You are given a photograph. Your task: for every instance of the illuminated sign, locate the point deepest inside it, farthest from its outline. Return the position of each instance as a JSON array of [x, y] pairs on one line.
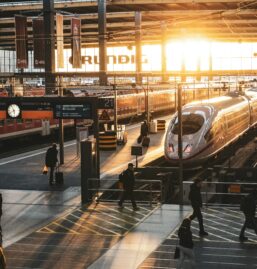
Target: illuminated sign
[[112, 59], [73, 111]]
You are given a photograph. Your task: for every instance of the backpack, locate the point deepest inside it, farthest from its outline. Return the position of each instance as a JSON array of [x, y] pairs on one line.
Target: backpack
[[122, 177]]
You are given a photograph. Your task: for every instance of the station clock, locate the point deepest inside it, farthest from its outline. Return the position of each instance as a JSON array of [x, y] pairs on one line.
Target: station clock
[[13, 111]]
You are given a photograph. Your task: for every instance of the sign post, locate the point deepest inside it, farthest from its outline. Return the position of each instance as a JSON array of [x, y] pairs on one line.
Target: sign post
[[136, 151]]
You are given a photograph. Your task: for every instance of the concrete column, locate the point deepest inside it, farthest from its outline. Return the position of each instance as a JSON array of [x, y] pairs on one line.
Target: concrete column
[[138, 19], [102, 42], [165, 78], [48, 10], [61, 130]]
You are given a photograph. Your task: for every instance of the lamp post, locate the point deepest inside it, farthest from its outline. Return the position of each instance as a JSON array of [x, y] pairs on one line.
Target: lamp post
[[115, 107], [180, 150]]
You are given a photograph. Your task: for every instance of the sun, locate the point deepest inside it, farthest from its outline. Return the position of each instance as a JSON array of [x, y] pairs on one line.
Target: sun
[[192, 53]]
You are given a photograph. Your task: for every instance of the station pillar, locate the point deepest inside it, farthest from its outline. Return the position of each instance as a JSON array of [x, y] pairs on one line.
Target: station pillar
[[138, 19], [48, 11], [61, 130], [102, 42], [88, 161], [165, 78]]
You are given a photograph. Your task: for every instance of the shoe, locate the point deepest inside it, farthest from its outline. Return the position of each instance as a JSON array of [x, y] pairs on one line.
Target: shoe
[[203, 233], [136, 208], [243, 238]]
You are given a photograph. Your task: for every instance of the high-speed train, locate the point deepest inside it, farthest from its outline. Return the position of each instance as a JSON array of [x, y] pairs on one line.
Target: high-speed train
[[209, 126]]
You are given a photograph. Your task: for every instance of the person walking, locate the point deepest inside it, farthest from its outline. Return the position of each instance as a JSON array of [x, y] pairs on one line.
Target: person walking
[[249, 208], [196, 202], [51, 160], [185, 245], [127, 178], [144, 129]]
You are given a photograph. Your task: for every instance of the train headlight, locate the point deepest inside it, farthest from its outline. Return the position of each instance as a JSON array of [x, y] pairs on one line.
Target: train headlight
[[188, 148], [171, 148]]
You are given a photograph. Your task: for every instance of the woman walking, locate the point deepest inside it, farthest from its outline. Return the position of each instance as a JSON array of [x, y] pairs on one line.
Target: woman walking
[[186, 245]]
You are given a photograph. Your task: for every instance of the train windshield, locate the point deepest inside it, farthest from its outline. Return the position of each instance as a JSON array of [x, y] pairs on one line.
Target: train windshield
[[191, 123]]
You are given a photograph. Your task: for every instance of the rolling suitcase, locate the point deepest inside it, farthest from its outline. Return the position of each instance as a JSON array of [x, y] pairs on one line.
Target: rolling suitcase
[[146, 141], [58, 176]]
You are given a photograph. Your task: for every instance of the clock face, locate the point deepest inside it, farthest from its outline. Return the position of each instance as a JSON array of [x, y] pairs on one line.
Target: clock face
[[13, 110]]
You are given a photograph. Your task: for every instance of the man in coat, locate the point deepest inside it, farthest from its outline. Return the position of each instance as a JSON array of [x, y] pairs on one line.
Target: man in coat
[[196, 202], [127, 178], [249, 212], [51, 160], [144, 129]]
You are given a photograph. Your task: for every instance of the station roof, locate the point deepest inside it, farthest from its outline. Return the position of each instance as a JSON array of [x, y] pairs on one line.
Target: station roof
[[219, 20]]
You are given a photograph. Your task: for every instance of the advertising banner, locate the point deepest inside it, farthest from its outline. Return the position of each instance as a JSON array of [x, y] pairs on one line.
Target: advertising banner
[[39, 43], [76, 42], [21, 41], [59, 34]]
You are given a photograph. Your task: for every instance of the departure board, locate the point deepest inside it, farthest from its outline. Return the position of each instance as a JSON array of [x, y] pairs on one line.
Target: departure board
[[73, 111]]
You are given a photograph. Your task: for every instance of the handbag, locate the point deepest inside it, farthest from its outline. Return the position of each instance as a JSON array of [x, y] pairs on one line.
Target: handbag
[[45, 170], [177, 252], [139, 139]]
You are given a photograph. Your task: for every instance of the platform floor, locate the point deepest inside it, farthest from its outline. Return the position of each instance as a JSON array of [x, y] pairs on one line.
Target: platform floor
[[101, 236], [221, 249], [45, 227]]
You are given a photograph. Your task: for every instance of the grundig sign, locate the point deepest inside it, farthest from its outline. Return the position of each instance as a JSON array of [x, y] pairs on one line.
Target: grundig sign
[[112, 59]]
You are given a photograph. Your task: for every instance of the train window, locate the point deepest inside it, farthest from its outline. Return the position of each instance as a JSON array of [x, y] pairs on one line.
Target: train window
[[19, 121], [1, 123], [191, 123]]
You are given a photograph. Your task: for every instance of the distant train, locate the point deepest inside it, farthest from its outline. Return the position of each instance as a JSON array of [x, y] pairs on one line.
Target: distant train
[[210, 125], [130, 102]]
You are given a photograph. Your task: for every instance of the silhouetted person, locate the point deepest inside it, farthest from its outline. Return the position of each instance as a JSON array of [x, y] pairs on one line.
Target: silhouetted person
[[185, 244], [144, 129], [51, 160], [249, 212], [127, 178], [196, 202]]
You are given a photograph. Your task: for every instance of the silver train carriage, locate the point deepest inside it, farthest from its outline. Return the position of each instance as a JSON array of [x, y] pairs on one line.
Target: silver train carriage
[[210, 125]]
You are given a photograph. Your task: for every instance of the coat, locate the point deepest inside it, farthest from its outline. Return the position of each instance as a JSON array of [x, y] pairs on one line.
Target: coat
[[195, 195], [51, 157], [185, 237], [144, 129], [128, 180]]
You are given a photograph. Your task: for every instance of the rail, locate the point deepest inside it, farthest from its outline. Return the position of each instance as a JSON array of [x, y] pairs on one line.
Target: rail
[[221, 193], [149, 188]]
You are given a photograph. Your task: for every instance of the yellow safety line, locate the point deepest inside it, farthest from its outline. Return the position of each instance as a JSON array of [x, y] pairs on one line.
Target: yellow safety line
[[72, 231], [93, 224], [83, 226], [114, 217], [49, 230], [146, 216], [114, 224], [119, 211]]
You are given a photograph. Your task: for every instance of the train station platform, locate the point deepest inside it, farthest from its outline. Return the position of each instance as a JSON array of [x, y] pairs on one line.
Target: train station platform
[[46, 227], [24, 171]]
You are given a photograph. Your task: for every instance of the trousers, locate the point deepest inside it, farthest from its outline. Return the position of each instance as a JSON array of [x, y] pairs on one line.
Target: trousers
[[186, 253]]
